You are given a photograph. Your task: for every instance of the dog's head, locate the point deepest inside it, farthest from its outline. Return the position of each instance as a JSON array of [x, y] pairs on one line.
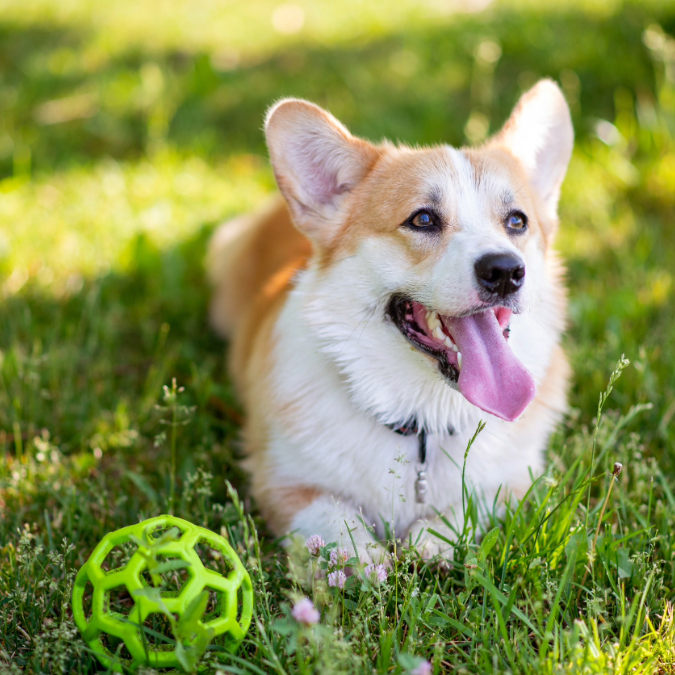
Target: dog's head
[[443, 250]]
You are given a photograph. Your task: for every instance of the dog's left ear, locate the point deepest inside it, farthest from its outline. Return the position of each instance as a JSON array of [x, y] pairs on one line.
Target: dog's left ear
[[540, 135], [317, 164]]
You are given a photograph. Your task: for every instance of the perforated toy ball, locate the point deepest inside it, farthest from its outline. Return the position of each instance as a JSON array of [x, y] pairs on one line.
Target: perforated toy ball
[[124, 604]]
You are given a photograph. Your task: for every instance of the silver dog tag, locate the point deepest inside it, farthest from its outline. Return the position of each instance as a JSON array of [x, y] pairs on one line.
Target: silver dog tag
[[421, 487]]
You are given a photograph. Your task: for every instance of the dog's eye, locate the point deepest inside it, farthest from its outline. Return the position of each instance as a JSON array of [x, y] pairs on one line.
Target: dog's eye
[[422, 220], [516, 222]]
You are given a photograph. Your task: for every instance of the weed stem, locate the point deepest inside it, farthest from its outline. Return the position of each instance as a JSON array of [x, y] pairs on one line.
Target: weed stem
[[615, 474]]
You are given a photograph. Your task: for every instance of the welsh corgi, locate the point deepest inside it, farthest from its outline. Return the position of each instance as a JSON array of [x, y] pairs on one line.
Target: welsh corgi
[[391, 301]]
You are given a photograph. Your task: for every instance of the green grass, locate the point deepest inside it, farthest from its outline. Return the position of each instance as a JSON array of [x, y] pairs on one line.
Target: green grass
[[129, 130]]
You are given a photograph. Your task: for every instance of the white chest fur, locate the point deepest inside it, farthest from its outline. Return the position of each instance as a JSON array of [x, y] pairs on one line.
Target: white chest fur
[[331, 443]]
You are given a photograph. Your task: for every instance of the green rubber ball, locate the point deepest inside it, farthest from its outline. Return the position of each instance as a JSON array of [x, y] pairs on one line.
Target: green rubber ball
[[225, 617]]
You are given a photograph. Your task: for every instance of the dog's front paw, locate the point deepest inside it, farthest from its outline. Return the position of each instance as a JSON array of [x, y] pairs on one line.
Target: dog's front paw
[[428, 544]]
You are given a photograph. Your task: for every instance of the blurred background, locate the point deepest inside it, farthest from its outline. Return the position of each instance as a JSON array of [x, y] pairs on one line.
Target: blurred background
[[129, 129]]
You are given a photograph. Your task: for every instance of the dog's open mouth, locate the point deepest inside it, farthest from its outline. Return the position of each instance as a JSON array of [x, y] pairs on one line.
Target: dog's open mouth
[[472, 351]]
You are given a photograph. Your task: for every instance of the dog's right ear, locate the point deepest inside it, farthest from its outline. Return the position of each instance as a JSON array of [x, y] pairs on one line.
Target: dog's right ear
[[317, 163], [540, 135]]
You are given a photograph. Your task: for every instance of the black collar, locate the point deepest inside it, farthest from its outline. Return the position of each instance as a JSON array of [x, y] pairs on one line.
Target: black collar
[[412, 428]]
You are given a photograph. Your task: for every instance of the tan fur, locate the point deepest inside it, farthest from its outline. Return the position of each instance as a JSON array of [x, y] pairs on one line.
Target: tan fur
[[279, 505], [252, 270], [259, 262]]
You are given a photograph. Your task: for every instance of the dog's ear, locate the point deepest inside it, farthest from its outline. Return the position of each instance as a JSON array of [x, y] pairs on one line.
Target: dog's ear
[[540, 135], [317, 163]]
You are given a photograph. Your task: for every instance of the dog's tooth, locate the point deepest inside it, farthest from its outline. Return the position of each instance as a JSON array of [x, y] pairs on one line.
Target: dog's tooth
[[438, 333], [459, 360], [449, 341], [450, 344], [433, 321]]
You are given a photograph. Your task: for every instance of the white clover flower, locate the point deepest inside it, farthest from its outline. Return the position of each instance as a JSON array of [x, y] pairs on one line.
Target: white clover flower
[[338, 556], [423, 668], [305, 612], [315, 543], [377, 573], [337, 578]]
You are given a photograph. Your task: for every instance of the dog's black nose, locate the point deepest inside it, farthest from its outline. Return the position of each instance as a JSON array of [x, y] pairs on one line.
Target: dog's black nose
[[500, 273]]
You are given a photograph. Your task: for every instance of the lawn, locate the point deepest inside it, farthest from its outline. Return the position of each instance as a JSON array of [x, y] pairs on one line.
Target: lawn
[[129, 130]]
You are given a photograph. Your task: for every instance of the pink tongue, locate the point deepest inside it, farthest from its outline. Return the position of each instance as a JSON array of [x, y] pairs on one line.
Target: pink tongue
[[491, 377]]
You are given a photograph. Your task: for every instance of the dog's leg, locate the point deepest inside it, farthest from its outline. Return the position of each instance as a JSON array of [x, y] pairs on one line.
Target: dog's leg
[[428, 544], [339, 521]]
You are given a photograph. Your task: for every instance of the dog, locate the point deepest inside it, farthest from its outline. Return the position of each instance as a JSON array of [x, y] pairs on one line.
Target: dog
[[391, 301]]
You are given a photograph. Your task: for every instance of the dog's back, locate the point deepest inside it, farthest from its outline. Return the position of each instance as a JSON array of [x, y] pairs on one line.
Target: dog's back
[[251, 262]]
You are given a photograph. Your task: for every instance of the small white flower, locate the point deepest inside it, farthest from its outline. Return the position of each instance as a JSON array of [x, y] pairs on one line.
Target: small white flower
[[339, 556], [305, 612], [337, 578], [376, 573], [315, 543], [424, 668]]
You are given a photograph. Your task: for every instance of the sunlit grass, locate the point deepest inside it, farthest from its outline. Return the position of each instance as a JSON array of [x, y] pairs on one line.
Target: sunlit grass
[[240, 30], [80, 222]]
